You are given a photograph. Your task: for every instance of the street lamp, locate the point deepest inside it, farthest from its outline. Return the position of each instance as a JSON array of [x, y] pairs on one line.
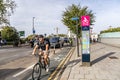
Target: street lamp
[[33, 29]]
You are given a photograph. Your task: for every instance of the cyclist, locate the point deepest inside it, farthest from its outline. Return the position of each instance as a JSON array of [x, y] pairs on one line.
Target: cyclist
[[43, 47]]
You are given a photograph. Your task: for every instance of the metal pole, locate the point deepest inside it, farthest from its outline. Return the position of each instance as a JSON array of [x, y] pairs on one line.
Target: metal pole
[[77, 43], [54, 48], [33, 25], [57, 31]]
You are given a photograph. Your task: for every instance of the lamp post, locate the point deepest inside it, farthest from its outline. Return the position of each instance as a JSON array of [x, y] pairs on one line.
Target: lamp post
[[56, 31], [77, 43], [33, 29]]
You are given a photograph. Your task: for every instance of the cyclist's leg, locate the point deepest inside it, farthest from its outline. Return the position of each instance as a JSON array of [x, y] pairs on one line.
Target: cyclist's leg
[[45, 58], [40, 54], [46, 61]]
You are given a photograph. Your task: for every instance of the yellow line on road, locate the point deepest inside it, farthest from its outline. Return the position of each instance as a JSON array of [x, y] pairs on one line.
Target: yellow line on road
[[60, 65]]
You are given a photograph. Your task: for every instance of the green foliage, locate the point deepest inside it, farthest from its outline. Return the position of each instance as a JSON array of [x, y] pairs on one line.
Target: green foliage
[[76, 11], [10, 43], [111, 30], [6, 8], [59, 35], [9, 33], [22, 40], [62, 35], [30, 37]]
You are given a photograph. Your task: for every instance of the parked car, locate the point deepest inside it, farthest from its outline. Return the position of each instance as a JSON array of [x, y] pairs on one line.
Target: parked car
[[56, 41], [3, 42], [66, 40]]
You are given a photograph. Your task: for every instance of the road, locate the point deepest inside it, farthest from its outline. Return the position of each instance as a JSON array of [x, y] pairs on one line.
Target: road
[[11, 54], [17, 63], [13, 60], [54, 61]]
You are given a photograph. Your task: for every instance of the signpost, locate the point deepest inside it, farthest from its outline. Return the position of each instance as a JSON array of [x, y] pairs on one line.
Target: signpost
[[33, 30], [85, 23], [77, 43]]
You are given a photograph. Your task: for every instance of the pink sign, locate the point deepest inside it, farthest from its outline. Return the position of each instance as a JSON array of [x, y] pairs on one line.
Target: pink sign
[[85, 20]]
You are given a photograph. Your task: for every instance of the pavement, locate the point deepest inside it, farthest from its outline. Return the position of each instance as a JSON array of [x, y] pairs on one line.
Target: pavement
[[105, 64]]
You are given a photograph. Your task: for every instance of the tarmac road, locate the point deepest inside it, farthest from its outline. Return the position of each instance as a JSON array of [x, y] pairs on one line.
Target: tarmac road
[[17, 63]]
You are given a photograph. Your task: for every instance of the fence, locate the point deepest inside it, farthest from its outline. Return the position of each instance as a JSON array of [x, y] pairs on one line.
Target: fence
[[112, 38]]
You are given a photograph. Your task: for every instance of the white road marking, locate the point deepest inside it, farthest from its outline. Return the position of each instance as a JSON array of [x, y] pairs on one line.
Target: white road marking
[[4, 50], [30, 67]]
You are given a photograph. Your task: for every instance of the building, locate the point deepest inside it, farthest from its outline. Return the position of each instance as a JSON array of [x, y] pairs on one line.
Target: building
[[70, 34], [94, 37]]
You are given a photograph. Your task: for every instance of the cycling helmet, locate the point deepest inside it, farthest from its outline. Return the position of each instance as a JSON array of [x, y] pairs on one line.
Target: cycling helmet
[[41, 36]]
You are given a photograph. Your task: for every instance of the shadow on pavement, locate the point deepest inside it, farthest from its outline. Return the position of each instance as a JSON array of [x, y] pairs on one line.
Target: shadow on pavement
[[101, 58], [73, 62], [70, 64]]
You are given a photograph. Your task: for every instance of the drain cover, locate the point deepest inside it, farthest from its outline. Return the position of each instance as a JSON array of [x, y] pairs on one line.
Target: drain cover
[[113, 57]]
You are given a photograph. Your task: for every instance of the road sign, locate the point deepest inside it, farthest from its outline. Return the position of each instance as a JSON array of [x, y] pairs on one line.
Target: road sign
[[85, 42], [85, 20], [75, 18], [77, 43], [85, 23], [22, 33], [85, 28]]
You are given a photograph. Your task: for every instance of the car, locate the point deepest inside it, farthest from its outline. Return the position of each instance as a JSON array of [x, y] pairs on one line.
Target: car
[[3, 42], [56, 41], [66, 40]]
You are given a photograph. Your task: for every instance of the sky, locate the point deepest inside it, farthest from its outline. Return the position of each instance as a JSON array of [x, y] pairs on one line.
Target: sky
[[48, 14]]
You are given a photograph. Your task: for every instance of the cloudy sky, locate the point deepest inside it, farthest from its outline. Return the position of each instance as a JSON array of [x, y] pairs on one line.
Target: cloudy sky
[[48, 14]]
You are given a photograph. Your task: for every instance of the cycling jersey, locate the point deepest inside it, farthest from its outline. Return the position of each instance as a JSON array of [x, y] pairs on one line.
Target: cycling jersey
[[42, 45]]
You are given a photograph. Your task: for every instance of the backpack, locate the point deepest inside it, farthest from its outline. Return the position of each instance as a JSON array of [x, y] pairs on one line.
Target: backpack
[[47, 39]]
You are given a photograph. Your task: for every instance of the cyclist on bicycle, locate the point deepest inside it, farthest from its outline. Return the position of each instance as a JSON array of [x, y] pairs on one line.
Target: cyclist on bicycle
[[43, 47]]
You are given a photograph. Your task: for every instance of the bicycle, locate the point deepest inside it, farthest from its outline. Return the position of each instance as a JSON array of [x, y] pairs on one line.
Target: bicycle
[[37, 68]]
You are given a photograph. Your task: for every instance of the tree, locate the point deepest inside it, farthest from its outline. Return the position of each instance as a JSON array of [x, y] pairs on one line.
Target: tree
[[76, 11], [6, 9], [9, 33], [111, 30], [30, 37], [62, 35]]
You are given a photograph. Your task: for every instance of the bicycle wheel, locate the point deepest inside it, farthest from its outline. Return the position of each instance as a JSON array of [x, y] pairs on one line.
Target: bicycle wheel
[[36, 73]]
